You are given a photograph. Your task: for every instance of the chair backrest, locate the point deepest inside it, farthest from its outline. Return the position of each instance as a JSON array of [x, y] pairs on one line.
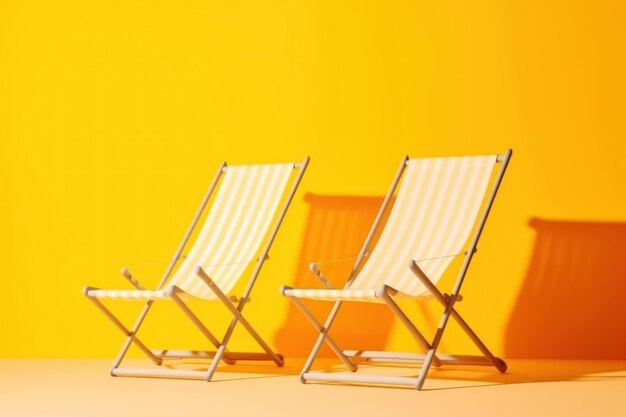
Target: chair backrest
[[235, 227], [436, 207]]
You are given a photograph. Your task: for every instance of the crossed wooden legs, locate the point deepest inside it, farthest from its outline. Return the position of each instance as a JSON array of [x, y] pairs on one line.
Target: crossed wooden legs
[[427, 359], [221, 352]]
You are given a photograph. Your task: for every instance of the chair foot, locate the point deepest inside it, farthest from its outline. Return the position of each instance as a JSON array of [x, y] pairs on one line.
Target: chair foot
[[501, 365], [282, 360]]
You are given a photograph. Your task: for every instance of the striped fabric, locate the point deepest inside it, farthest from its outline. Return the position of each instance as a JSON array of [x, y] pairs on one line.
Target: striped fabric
[[128, 294], [235, 227], [365, 295], [435, 210], [233, 231]]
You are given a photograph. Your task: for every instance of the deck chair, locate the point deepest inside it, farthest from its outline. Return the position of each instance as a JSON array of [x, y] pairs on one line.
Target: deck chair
[[247, 209], [439, 203]]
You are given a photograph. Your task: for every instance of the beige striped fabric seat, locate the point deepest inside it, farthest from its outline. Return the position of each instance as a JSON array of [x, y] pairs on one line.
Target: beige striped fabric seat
[[231, 235], [430, 222]]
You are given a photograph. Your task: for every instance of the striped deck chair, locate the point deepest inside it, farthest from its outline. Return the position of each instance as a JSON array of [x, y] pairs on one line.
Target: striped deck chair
[[439, 203], [247, 209]]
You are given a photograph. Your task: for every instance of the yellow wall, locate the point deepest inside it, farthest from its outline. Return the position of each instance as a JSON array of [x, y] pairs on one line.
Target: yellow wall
[[114, 116]]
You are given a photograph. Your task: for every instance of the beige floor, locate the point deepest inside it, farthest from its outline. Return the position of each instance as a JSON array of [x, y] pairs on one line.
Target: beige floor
[[67, 388]]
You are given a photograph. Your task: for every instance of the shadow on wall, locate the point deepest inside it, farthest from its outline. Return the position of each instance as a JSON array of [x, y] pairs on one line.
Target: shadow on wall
[[571, 304], [336, 229]]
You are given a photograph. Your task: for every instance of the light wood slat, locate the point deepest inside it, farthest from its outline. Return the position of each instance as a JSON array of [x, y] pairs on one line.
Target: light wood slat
[[159, 373], [359, 379]]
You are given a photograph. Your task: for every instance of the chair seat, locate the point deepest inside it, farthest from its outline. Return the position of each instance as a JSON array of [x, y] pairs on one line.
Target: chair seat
[[129, 294], [370, 295]]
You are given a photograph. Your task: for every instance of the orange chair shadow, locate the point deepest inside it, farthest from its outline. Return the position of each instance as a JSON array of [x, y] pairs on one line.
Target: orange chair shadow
[[571, 303], [336, 228]]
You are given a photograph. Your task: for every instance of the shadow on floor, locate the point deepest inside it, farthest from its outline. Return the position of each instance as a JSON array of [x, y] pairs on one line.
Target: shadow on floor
[[521, 371]]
